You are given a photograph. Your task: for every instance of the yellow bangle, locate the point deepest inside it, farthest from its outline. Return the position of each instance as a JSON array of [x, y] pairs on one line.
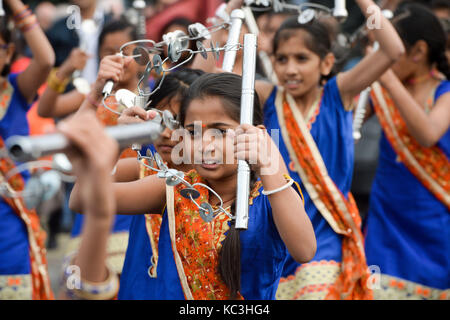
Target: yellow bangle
[[55, 83]]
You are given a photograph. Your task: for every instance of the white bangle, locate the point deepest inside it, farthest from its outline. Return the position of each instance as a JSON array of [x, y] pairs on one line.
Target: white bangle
[[287, 185]]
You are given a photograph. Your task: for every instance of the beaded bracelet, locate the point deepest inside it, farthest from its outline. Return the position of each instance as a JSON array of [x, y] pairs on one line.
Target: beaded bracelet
[[81, 289], [27, 23], [19, 15]]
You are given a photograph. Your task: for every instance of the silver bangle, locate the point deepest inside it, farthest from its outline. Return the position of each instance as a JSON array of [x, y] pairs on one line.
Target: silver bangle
[[287, 185]]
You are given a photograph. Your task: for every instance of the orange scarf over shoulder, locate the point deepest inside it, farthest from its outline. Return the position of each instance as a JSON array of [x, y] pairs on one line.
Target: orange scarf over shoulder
[[340, 213], [39, 272], [429, 165]]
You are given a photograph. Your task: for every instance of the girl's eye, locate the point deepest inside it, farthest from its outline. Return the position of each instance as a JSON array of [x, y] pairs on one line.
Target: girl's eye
[[194, 133], [223, 131], [302, 58], [281, 59]]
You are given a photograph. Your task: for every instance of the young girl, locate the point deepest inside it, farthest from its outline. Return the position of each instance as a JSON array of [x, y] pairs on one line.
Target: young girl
[[317, 145], [407, 228], [199, 260], [23, 270], [169, 97]]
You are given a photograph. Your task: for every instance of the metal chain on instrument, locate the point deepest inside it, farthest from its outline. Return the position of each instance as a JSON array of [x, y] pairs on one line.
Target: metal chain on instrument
[[177, 43], [174, 177], [307, 11]]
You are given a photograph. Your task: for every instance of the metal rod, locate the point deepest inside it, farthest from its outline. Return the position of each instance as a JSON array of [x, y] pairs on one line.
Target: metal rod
[[360, 110], [27, 148], [263, 56], [340, 10], [247, 102], [237, 18], [139, 6]]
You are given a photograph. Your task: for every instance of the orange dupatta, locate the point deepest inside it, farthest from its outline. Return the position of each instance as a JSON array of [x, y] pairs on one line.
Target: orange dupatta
[[429, 165], [36, 236], [340, 213], [196, 244]]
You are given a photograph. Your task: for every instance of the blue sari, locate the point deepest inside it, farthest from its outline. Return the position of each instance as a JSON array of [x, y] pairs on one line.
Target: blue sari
[[14, 243], [331, 130], [408, 229], [262, 259]]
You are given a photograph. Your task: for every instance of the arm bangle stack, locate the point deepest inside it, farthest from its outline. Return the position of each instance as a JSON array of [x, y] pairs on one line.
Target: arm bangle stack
[[86, 290]]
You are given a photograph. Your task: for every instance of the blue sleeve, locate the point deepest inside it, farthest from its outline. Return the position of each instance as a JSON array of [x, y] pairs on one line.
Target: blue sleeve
[[17, 97], [443, 88], [333, 95]]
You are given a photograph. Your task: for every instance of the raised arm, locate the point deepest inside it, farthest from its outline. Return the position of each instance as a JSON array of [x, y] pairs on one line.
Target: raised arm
[[367, 71], [426, 128], [88, 140], [43, 59], [53, 103]]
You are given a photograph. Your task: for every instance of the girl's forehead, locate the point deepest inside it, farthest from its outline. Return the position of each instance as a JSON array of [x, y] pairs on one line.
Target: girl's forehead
[[293, 40], [208, 109]]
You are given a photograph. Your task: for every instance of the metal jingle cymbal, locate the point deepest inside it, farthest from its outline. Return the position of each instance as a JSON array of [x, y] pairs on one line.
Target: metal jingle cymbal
[[51, 181], [183, 39], [157, 64], [187, 193], [197, 30], [214, 50], [33, 192], [169, 121], [202, 49], [306, 16], [207, 214], [141, 56], [159, 161], [172, 179], [174, 50]]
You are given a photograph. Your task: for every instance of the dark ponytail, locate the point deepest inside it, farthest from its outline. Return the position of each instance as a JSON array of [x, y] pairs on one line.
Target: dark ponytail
[[228, 88], [230, 255]]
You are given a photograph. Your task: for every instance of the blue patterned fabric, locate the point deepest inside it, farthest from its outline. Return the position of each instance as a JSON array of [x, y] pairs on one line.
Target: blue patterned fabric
[[14, 255]]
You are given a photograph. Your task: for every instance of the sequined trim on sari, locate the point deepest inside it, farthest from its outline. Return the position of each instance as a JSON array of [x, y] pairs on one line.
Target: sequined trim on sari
[[311, 281], [15, 287], [393, 288]]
